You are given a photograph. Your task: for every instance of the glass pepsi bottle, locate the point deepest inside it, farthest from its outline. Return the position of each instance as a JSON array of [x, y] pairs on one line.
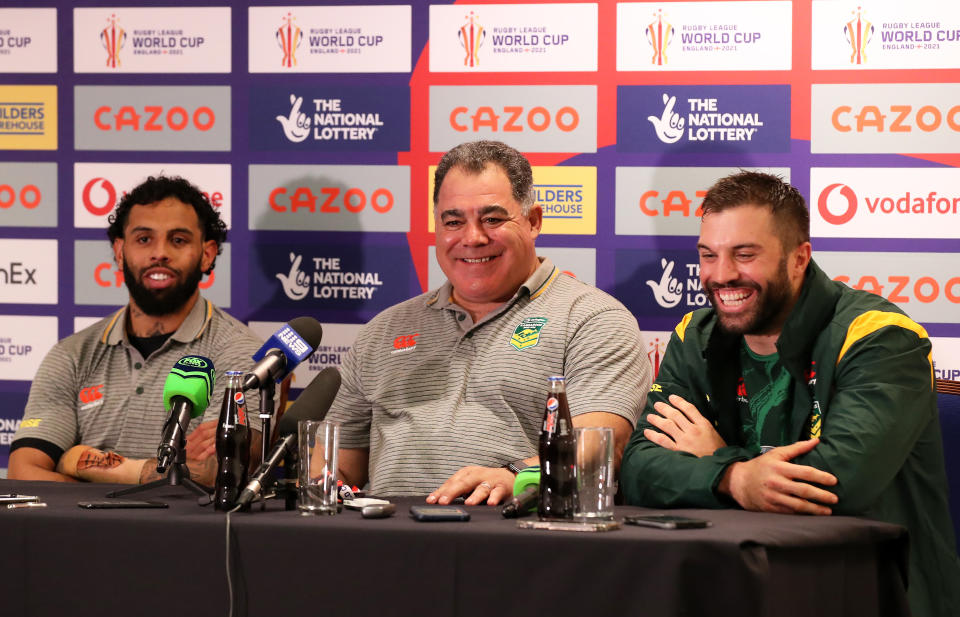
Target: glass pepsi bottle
[[233, 444], [558, 486]]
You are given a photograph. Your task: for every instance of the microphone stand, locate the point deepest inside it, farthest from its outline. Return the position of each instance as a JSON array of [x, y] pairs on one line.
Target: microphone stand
[[267, 390], [177, 475]]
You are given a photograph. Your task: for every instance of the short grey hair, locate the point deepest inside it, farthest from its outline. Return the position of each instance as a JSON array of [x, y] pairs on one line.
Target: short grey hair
[[474, 156]]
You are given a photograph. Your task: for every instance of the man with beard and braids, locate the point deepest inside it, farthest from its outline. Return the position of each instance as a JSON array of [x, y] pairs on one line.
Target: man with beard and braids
[[795, 393], [95, 410]]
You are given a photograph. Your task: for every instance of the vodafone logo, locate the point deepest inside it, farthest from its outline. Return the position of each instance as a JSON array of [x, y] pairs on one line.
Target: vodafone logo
[[99, 196], [106, 198], [850, 202]]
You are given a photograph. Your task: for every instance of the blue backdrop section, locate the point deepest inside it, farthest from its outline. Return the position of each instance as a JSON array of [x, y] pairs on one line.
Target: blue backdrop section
[[329, 278], [703, 118], [329, 118]]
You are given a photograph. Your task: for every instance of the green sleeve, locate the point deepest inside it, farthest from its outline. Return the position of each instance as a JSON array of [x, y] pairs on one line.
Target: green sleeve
[[883, 402], [653, 476]]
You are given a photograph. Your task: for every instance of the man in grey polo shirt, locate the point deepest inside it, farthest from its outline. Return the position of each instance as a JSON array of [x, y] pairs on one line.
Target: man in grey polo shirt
[[443, 394], [95, 410]]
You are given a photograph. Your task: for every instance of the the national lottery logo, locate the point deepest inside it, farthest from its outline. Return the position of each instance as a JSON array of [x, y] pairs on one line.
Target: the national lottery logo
[[296, 284], [329, 121], [296, 124], [668, 289], [676, 284], [327, 281], [659, 35], [704, 120], [471, 36], [289, 36], [113, 38], [858, 33]]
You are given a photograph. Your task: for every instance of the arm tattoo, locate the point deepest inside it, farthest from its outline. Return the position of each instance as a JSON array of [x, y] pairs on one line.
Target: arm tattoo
[[93, 458]]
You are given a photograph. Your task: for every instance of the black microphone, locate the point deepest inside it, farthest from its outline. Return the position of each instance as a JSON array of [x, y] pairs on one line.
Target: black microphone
[[526, 493], [186, 394], [312, 404], [288, 347], [521, 503]]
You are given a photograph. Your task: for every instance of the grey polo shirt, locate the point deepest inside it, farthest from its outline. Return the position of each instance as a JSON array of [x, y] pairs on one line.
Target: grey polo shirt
[[95, 388], [430, 392]]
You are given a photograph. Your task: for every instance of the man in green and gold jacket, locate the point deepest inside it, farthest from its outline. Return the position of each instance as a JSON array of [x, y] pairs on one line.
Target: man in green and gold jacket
[[795, 393]]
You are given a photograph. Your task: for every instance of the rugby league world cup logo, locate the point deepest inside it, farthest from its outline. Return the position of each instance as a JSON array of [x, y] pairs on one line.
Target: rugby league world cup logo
[[858, 32], [659, 36], [289, 36], [471, 35], [112, 38]]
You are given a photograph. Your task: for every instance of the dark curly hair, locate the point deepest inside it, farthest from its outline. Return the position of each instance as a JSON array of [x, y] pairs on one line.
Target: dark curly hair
[[157, 188]]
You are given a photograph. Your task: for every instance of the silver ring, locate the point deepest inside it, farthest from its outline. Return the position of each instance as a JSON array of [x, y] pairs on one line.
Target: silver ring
[[487, 485]]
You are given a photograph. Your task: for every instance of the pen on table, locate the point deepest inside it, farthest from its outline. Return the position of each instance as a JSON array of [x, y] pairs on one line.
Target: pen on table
[[29, 504]]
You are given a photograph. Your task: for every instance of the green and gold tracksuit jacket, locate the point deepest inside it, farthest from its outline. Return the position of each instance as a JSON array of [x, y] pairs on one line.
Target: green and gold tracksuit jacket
[[863, 384]]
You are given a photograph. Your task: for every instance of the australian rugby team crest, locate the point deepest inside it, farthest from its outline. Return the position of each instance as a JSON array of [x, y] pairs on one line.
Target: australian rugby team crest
[[527, 333]]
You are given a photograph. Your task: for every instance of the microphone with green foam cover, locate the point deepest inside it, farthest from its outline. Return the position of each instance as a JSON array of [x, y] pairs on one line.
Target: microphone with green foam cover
[[526, 492], [186, 395]]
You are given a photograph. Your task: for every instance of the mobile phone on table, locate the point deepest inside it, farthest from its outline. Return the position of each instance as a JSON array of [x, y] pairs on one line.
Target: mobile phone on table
[[112, 504], [439, 513], [666, 521]]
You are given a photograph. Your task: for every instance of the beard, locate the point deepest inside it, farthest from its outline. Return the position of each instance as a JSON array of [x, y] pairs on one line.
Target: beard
[[159, 302], [767, 316]]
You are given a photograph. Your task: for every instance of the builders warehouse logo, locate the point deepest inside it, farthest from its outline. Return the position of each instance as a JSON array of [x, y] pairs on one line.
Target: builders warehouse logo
[[885, 202], [28, 117]]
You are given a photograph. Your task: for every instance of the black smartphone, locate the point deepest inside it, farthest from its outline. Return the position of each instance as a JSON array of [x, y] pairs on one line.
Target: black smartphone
[[666, 521], [439, 513], [110, 504]]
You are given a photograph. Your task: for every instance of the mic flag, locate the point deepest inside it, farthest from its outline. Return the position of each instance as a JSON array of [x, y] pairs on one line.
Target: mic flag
[[192, 378], [289, 346], [186, 395]]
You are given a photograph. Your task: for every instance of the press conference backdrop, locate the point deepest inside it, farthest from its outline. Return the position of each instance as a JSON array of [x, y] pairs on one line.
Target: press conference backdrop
[[315, 128]]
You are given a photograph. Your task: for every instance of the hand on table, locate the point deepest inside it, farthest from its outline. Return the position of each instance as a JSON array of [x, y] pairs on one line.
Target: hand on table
[[770, 483], [683, 428], [483, 484]]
